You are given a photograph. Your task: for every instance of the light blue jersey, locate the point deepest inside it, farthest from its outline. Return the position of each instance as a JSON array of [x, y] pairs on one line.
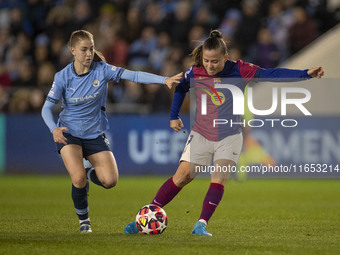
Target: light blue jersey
[[84, 97]]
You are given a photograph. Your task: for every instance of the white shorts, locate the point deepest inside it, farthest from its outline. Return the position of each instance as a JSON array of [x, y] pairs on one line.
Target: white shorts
[[201, 151]]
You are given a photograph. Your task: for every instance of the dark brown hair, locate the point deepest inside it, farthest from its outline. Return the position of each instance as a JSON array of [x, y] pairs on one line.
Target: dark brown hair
[[213, 42], [79, 35]]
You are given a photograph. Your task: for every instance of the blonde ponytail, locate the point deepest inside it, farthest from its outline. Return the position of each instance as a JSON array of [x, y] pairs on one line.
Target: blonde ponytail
[[98, 56]]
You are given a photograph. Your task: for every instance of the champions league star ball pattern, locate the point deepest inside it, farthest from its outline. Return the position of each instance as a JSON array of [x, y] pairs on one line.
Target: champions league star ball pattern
[[151, 220]]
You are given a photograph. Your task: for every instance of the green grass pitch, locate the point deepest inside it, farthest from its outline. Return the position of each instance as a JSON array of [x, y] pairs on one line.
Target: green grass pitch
[[254, 217]]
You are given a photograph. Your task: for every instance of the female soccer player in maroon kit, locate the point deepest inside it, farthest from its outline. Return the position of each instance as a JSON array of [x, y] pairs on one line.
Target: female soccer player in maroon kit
[[209, 143]]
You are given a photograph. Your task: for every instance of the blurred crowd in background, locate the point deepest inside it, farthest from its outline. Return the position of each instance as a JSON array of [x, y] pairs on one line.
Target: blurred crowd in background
[[149, 35]]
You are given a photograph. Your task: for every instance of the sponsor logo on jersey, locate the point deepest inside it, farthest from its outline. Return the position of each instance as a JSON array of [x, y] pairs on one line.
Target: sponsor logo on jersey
[[84, 99]]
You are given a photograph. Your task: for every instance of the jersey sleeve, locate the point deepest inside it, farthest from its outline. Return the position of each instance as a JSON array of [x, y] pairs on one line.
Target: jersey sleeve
[[52, 99], [283, 74], [112, 73], [142, 77], [181, 89], [247, 71], [184, 84], [56, 90], [47, 115], [177, 102]]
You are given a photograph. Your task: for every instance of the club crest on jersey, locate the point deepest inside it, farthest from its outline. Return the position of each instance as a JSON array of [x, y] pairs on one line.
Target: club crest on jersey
[[95, 83], [218, 99]]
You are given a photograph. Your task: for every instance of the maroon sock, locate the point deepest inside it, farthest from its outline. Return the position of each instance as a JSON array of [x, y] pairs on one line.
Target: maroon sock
[[166, 193], [211, 200]]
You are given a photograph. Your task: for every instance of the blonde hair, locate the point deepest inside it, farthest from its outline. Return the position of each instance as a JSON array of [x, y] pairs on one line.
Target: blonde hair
[[213, 42], [79, 35]]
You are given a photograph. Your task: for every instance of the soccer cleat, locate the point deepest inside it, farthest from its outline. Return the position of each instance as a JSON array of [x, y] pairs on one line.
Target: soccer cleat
[[131, 228], [200, 229], [85, 227]]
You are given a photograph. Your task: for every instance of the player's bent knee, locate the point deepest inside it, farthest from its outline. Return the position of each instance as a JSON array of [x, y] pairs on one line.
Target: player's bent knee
[[109, 184]]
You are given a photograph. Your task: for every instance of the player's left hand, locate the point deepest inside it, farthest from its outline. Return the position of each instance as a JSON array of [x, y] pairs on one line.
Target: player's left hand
[[58, 135], [174, 80], [316, 72], [176, 125]]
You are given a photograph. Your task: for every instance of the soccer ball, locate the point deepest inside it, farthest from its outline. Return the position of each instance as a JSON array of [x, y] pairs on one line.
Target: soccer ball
[[151, 220]]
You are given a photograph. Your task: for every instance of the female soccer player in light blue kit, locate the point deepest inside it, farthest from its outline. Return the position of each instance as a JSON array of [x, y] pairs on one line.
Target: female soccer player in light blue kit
[[79, 133], [207, 143]]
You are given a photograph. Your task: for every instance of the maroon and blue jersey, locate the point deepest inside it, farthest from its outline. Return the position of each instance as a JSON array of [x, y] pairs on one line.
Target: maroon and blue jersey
[[218, 102]]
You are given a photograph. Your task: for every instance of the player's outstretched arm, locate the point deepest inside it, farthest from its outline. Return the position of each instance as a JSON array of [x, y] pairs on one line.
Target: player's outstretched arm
[[174, 80], [149, 78], [316, 72]]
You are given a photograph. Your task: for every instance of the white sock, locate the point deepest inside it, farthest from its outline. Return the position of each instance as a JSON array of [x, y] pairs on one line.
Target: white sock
[[89, 174], [203, 221], [81, 221]]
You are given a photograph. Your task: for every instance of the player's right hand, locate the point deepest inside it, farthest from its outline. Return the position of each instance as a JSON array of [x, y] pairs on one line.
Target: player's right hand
[[176, 125], [174, 80], [58, 136]]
